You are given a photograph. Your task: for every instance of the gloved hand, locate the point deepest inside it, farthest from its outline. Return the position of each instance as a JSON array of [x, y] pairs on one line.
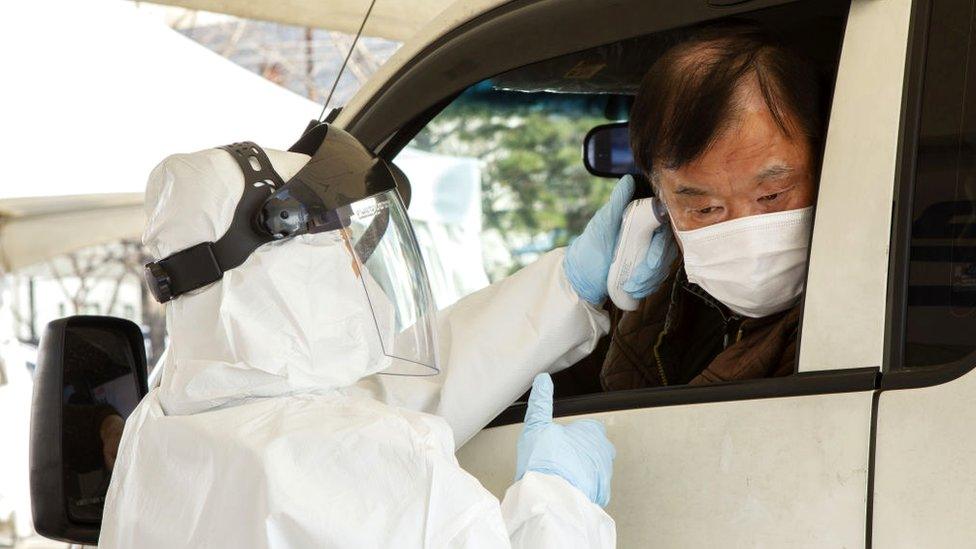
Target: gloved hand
[[650, 274], [579, 452], [587, 261]]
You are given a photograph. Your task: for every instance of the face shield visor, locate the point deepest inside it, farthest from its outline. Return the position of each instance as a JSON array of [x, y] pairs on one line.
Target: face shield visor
[[387, 261], [351, 196]]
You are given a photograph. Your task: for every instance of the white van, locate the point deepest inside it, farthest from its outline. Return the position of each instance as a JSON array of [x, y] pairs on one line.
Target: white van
[[872, 441]]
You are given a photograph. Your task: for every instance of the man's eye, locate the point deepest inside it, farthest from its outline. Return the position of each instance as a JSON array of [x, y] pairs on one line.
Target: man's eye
[[775, 196], [708, 210]]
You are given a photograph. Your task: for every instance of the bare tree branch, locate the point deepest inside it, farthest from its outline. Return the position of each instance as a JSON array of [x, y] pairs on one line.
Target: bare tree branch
[[64, 288], [234, 38], [342, 43]]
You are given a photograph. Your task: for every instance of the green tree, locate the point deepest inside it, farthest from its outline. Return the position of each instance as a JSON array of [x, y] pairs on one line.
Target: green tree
[[536, 193]]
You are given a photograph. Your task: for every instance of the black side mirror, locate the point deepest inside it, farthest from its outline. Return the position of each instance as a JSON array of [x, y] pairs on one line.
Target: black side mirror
[[91, 373], [606, 151]]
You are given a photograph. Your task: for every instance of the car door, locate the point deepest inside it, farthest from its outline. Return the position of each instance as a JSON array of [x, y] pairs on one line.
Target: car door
[[775, 462], [772, 462], [924, 492]]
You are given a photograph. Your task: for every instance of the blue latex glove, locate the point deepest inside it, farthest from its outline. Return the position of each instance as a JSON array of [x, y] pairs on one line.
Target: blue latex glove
[[587, 261], [579, 452], [650, 274]]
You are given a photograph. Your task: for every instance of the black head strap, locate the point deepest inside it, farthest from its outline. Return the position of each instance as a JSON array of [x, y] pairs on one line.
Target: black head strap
[[205, 263]]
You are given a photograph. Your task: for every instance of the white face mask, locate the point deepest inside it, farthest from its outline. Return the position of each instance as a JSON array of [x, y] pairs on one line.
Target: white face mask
[[755, 265]]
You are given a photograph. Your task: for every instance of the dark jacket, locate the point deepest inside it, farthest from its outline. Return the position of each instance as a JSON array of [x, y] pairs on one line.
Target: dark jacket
[[681, 335]]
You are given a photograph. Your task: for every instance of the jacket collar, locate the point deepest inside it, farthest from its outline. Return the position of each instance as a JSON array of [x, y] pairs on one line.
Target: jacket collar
[[683, 286]]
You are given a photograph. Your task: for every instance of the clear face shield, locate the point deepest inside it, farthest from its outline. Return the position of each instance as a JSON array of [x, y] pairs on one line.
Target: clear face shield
[[387, 262], [347, 192]]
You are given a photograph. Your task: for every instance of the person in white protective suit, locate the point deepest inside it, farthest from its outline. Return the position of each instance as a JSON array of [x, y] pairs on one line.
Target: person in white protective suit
[[271, 425]]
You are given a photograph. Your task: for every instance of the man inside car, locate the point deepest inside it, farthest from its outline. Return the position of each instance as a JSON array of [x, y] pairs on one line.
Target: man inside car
[[727, 126]]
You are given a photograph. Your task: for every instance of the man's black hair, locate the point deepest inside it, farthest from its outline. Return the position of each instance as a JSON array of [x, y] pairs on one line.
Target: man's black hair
[[688, 96]]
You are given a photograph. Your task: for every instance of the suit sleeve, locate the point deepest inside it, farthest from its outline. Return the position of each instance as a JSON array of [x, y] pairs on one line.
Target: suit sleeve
[[538, 512], [543, 511], [493, 342]]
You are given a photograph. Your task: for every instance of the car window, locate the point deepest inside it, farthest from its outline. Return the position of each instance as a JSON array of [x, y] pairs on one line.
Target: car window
[[497, 175], [497, 180], [941, 294], [496, 170]]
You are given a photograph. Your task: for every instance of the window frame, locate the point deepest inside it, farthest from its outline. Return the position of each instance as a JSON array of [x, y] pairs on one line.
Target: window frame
[[843, 324], [419, 90], [896, 375]]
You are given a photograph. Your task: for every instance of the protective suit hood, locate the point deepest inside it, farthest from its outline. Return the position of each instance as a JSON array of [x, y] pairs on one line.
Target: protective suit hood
[[288, 320]]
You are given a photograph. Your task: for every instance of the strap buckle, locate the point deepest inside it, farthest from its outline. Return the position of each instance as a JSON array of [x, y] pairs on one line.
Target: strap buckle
[[158, 282], [182, 272]]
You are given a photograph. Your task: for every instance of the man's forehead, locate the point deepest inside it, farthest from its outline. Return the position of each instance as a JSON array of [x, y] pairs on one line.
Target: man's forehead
[[753, 150]]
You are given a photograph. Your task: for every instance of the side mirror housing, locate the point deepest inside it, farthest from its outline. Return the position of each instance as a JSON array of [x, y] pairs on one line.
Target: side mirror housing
[[90, 375], [607, 153]]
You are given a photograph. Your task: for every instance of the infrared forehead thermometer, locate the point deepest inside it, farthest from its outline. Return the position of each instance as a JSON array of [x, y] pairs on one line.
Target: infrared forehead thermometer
[[641, 218]]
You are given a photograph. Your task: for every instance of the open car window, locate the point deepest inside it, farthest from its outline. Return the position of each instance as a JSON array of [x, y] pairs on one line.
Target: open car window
[[497, 181], [497, 174]]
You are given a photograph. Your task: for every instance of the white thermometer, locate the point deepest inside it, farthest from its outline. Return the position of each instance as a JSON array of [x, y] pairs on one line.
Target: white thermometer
[[641, 218]]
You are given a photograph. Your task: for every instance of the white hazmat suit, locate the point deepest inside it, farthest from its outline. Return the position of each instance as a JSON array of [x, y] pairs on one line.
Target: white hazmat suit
[[271, 428]]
